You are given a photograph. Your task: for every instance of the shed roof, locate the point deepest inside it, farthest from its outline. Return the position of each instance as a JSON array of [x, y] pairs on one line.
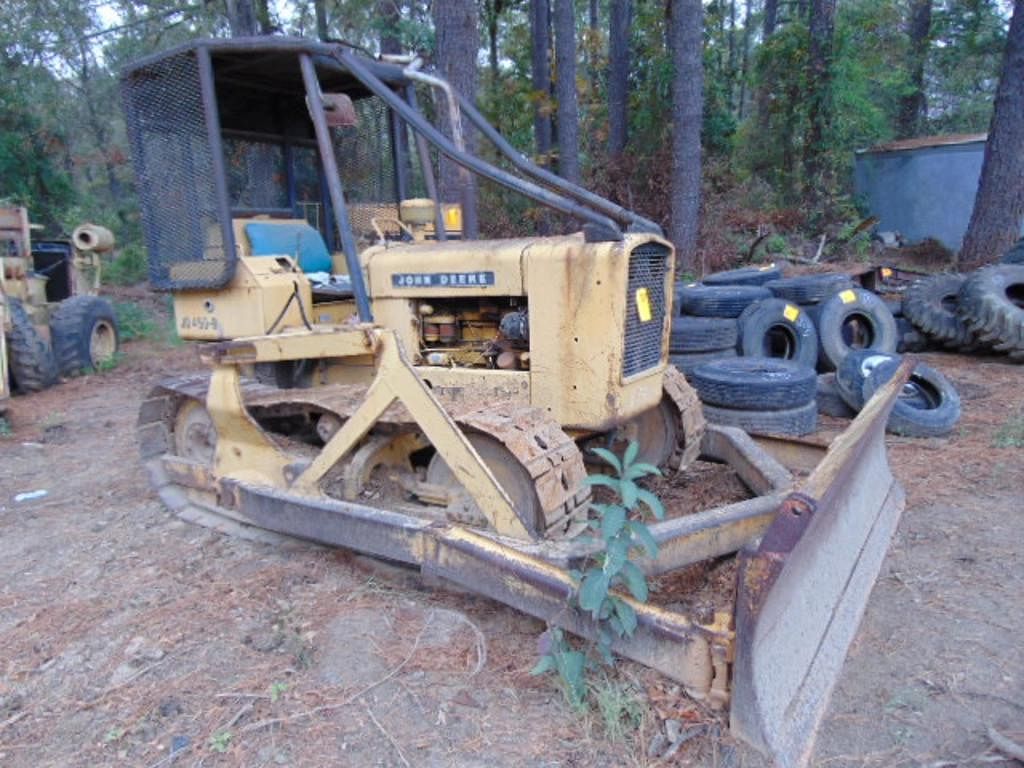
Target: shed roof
[[922, 142]]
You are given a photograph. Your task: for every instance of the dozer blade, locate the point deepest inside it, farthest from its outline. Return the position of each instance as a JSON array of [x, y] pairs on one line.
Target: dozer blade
[[803, 590]]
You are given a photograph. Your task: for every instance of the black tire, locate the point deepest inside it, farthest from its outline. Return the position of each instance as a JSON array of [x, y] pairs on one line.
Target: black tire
[[992, 305], [702, 334], [810, 289], [830, 402], [744, 276], [778, 329], [754, 384], [854, 319], [84, 331], [895, 306], [931, 305], [30, 359], [910, 339], [1015, 255], [854, 371], [718, 300], [795, 421], [686, 363], [928, 406]]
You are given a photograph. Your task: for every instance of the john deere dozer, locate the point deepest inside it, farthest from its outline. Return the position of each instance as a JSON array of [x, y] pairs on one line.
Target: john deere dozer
[[383, 382]]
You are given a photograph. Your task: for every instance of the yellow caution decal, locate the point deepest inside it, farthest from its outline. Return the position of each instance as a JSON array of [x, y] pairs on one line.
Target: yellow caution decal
[[848, 296], [791, 313], [643, 305]]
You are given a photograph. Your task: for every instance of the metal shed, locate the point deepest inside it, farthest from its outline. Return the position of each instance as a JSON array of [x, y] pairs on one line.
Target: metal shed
[[922, 187]]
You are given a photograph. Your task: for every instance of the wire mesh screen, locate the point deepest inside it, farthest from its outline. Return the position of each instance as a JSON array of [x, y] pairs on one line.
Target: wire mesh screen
[[173, 163], [645, 308], [366, 164], [256, 174]]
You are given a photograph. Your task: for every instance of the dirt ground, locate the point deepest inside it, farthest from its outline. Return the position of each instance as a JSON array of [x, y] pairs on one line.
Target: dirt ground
[[128, 637]]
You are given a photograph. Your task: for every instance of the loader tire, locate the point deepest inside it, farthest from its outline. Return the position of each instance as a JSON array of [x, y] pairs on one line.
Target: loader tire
[[84, 331], [794, 421], [719, 300], [687, 362], [744, 276], [854, 319], [30, 359], [928, 404], [775, 328], [830, 402], [702, 334], [754, 384], [931, 305], [810, 289], [854, 371], [992, 306]]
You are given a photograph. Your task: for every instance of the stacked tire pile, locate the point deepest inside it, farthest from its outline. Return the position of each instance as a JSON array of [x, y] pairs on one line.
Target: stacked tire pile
[[787, 330], [979, 312], [706, 325], [758, 394], [928, 405]]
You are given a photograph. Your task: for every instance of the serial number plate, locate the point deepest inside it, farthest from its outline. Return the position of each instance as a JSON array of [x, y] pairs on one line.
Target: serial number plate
[[442, 279], [198, 323]]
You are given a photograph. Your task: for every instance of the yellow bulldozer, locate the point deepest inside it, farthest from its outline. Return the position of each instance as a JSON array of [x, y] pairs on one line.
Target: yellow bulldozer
[[53, 322], [382, 381]]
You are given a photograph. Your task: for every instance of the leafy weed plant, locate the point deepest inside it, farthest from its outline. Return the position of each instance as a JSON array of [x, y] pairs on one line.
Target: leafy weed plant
[[599, 591]]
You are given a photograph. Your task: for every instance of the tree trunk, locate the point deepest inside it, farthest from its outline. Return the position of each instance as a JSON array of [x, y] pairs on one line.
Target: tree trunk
[[771, 13], [763, 96], [241, 17], [999, 205], [321, 18], [912, 106], [540, 29], [565, 91], [390, 14], [819, 101], [618, 78], [455, 29], [493, 10], [745, 59], [686, 34]]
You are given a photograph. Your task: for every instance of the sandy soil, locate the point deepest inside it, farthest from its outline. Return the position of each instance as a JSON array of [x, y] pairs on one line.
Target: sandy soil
[[131, 638]]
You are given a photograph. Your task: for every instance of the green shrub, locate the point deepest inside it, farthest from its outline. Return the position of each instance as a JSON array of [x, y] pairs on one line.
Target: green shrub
[[128, 267]]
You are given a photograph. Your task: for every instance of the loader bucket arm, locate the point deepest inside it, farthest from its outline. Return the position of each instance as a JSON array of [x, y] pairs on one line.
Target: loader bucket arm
[[802, 592]]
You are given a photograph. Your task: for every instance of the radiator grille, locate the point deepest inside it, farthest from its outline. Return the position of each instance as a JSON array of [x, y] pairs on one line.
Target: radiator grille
[[648, 266]]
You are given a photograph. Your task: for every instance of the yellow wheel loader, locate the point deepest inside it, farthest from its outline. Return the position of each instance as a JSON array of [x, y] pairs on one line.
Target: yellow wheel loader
[[381, 380], [53, 322]]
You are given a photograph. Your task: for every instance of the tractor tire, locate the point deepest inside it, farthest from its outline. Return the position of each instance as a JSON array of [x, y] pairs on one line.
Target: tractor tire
[[795, 421], [777, 329], [992, 306], [84, 332], [719, 300], [754, 384], [810, 289], [687, 362], [928, 406], [1015, 255], [744, 276], [854, 370], [931, 305], [830, 402], [702, 334], [854, 319], [30, 359]]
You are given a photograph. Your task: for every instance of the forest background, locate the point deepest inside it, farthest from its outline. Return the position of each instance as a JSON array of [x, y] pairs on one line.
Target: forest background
[[728, 121]]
